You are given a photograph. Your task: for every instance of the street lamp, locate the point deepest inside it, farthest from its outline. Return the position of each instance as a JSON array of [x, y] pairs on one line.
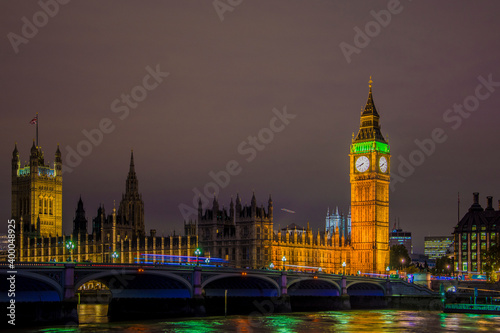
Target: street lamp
[[284, 260], [402, 263], [271, 266], [387, 270], [320, 270], [197, 253], [343, 266], [70, 246], [114, 255], [207, 261]]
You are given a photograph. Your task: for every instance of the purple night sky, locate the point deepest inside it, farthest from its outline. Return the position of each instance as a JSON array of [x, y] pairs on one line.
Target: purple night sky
[[228, 70]]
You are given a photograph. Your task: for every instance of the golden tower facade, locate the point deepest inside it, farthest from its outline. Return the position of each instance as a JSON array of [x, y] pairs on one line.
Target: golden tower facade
[[37, 194], [370, 177]]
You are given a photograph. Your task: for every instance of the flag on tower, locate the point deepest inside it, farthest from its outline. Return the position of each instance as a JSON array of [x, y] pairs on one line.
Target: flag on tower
[[34, 120]]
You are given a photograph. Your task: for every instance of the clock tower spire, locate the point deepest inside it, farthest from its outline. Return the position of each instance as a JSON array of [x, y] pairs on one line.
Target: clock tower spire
[[369, 176]]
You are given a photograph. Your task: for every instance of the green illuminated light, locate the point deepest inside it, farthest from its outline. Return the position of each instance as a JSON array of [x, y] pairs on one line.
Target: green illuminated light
[[366, 147]]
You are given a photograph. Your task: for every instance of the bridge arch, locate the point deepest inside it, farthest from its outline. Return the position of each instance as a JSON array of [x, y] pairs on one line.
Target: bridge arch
[[365, 288], [148, 284], [241, 285], [313, 287], [32, 287]]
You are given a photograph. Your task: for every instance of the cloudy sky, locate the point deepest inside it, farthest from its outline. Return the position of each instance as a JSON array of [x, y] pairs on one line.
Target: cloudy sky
[[86, 68]]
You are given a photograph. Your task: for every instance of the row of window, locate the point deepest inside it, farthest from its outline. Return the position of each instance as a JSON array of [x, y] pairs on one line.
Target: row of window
[[45, 206]]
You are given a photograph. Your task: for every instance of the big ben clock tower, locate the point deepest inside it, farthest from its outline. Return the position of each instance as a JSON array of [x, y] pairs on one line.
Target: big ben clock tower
[[369, 175]]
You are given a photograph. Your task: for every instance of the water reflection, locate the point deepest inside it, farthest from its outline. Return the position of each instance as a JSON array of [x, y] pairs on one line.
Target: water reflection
[[93, 319]]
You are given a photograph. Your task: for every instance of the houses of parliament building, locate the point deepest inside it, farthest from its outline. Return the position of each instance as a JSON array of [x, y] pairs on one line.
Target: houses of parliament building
[[243, 235]]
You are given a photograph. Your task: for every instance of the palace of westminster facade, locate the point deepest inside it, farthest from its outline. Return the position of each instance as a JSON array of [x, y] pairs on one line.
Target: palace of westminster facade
[[243, 235]]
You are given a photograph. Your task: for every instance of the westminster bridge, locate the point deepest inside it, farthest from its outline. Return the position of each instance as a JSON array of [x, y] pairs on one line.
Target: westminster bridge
[[198, 290]]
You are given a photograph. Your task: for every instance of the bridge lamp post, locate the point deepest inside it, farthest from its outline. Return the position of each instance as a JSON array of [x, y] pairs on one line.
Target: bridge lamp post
[[207, 261], [271, 266], [197, 253], [70, 246], [402, 263], [284, 260], [114, 255], [387, 270], [343, 266]]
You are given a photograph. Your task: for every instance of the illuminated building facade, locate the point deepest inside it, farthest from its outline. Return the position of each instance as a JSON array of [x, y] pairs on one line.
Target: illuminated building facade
[[476, 232], [37, 194], [118, 237], [244, 235], [370, 178], [400, 237], [437, 246]]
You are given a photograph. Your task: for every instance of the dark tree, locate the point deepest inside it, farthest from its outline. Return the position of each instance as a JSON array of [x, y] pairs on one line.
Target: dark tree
[[444, 266], [399, 257], [492, 260]]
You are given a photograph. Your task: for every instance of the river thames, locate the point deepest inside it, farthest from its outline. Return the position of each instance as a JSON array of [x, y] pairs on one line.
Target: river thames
[[93, 319]]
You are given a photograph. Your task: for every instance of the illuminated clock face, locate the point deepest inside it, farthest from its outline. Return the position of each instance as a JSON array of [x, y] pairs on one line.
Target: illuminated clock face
[[382, 163], [362, 164]]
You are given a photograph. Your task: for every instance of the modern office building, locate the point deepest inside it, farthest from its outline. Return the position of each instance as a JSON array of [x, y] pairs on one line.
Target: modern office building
[[437, 246], [400, 237]]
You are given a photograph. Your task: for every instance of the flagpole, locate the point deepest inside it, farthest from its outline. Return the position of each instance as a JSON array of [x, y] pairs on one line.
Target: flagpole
[[37, 129]]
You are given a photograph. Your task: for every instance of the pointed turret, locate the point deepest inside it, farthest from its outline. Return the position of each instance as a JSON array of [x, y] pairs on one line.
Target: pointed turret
[[270, 207], [370, 108], [58, 162], [231, 209], [16, 163], [237, 206], [215, 207], [131, 185], [80, 221], [253, 208], [131, 208], [33, 148], [132, 167], [369, 129]]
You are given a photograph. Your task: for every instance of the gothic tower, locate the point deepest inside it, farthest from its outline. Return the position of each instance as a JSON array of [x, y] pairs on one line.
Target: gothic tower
[[37, 194], [80, 222], [370, 177], [131, 210]]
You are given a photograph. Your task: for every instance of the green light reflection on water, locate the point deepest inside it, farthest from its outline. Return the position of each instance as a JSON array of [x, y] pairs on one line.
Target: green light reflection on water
[[283, 323], [195, 326]]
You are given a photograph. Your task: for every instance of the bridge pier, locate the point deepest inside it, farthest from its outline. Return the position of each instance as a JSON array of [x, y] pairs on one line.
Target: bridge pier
[[283, 282], [197, 291], [69, 281], [198, 298], [345, 299]]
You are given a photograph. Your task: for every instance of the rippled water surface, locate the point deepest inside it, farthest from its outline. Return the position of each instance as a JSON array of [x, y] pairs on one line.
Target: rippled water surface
[[93, 319]]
